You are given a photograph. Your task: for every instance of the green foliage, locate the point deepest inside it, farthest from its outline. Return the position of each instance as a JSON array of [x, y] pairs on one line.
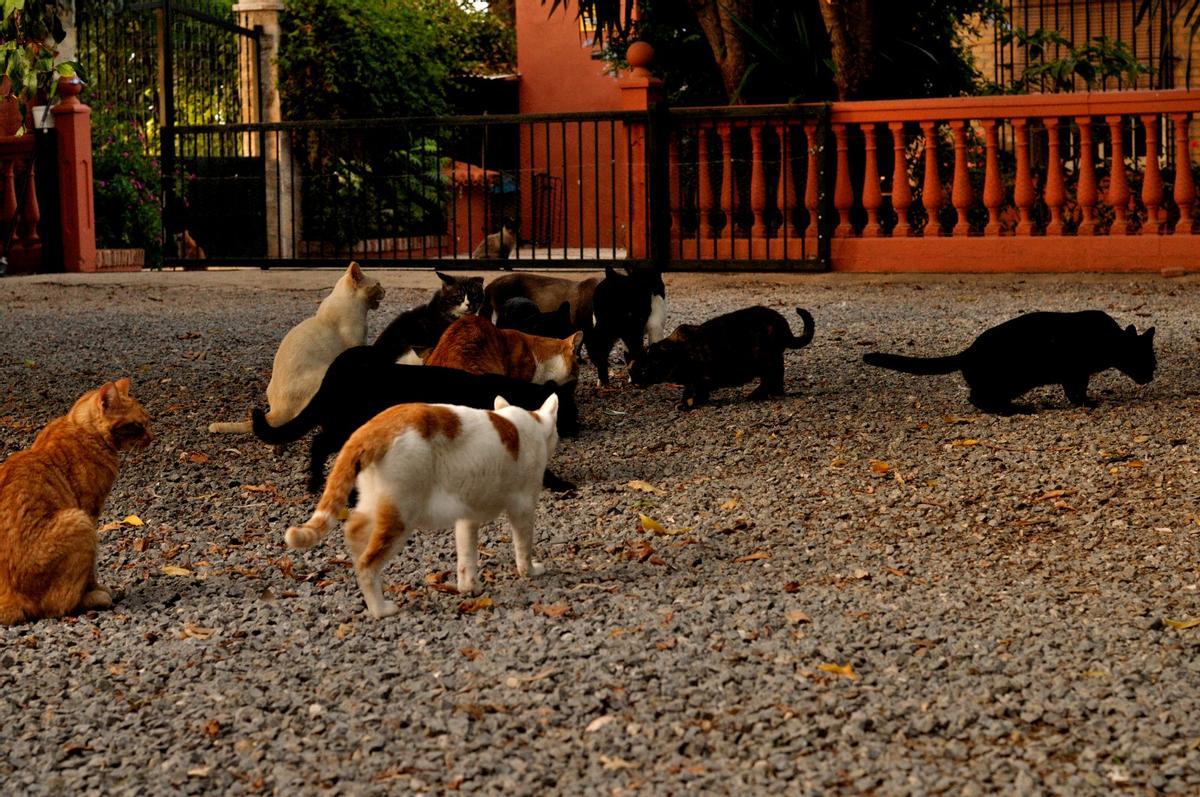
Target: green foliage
[[127, 181], [30, 31], [342, 59], [1098, 60]]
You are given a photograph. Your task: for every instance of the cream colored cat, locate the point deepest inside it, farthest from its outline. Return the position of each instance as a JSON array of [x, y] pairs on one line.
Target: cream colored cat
[[310, 346], [433, 465]]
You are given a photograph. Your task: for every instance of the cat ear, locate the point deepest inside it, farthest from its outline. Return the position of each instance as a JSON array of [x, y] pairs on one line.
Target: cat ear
[[576, 342], [1149, 334], [447, 279], [1131, 330], [106, 396], [610, 272], [550, 407], [355, 272], [501, 403], [123, 384]]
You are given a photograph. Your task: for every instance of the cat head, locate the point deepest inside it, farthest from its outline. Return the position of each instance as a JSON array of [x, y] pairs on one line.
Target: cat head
[[666, 360], [1137, 360], [621, 302], [546, 417], [557, 359], [459, 296], [357, 284], [113, 414]]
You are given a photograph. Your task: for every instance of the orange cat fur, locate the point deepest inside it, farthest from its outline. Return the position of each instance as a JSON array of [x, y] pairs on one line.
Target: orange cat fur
[[474, 344], [50, 497]]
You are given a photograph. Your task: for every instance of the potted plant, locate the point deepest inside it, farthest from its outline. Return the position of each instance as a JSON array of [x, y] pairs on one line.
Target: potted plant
[[129, 230]]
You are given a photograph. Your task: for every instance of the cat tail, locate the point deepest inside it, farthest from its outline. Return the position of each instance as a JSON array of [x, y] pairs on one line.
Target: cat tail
[[333, 501], [230, 427], [809, 328], [285, 432], [924, 366]]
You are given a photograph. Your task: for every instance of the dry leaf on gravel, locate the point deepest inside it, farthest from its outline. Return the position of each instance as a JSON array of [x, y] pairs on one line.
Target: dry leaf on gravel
[[650, 524], [731, 504], [879, 466], [645, 487], [132, 520], [438, 577], [192, 631], [791, 586], [599, 723], [552, 610], [475, 605], [753, 557], [1184, 624], [616, 762], [175, 570], [795, 617], [199, 772], [845, 670], [470, 654], [197, 457], [965, 442], [212, 729]]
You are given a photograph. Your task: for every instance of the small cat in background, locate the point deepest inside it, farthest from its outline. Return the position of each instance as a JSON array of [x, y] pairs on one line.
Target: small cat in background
[[187, 247], [309, 347], [497, 246], [476, 345], [430, 466], [1038, 349], [414, 332], [50, 497], [729, 350]]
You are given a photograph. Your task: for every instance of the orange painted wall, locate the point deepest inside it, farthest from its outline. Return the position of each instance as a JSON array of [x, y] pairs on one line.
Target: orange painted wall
[[588, 161]]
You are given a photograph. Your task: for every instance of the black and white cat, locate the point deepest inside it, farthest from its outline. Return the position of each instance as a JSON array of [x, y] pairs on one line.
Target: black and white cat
[[364, 381], [1037, 349], [417, 330]]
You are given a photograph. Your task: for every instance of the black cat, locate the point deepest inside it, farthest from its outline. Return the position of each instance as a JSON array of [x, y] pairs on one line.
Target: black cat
[[725, 351], [625, 307], [523, 315], [419, 328], [363, 381], [1038, 349]]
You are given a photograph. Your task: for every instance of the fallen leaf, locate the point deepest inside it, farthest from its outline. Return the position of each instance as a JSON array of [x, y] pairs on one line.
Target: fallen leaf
[[599, 723], [192, 631], [795, 617], [1184, 624], [437, 578], [553, 610], [133, 520], [752, 557], [173, 570], [212, 729], [845, 670], [140, 544], [1135, 463], [837, 463], [199, 772], [448, 589], [470, 654], [198, 457], [791, 586], [966, 441], [645, 487], [896, 572], [667, 645], [116, 524], [730, 504], [258, 488], [475, 604], [860, 574], [650, 524], [879, 466], [616, 762], [343, 630]]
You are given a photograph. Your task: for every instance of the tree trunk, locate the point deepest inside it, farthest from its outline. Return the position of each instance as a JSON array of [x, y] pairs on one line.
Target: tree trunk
[[719, 21], [852, 38]]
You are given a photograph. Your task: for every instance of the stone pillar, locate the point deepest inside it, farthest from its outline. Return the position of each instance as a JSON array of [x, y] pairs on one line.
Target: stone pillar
[[260, 88], [73, 127], [640, 91]]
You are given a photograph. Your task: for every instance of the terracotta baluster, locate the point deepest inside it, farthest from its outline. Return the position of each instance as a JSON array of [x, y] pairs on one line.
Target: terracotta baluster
[[1055, 191], [723, 130], [758, 182], [704, 165], [1185, 184], [1152, 184], [27, 233], [932, 195], [1023, 194], [961, 195], [785, 197], [675, 200], [1085, 189], [1118, 186], [901, 191], [843, 191], [872, 197], [8, 202], [812, 181], [993, 183]]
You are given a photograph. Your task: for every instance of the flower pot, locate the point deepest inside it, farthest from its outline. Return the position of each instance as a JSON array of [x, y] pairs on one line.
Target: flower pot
[[120, 259]]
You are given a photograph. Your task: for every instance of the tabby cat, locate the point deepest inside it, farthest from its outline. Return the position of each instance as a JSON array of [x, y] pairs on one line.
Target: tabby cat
[[476, 345]]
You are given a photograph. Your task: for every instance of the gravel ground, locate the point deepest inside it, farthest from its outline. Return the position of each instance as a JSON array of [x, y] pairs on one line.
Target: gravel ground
[[864, 588]]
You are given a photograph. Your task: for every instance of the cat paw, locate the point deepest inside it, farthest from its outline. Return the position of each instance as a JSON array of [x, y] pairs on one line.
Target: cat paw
[[468, 588], [535, 569], [386, 609], [98, 598]]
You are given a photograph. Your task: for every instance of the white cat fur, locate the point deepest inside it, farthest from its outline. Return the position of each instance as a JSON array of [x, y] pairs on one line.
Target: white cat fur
[[309, 347], [432, 466]]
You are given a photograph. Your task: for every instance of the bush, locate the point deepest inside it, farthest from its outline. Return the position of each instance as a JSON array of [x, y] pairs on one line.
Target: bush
[[127, 184]]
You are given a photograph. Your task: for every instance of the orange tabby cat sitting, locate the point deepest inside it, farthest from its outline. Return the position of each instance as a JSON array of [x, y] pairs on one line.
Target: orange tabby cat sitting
[[474, 344], [50, 497]]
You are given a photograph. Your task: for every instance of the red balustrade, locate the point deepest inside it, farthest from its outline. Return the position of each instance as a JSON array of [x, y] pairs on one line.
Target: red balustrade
[[19, 212]]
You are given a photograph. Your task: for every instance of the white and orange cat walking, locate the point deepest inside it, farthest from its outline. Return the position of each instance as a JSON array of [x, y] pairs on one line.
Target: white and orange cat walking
[[431, 466]]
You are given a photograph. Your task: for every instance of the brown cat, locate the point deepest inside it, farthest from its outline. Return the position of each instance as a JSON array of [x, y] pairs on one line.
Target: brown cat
[[476, 345], [50, 497]]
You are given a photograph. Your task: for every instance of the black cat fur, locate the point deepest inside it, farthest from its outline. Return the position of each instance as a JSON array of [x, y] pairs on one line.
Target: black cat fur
[[420, 328], [363, 381], [621, 309], [523, 315], [1038, 349], [725, 351]]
